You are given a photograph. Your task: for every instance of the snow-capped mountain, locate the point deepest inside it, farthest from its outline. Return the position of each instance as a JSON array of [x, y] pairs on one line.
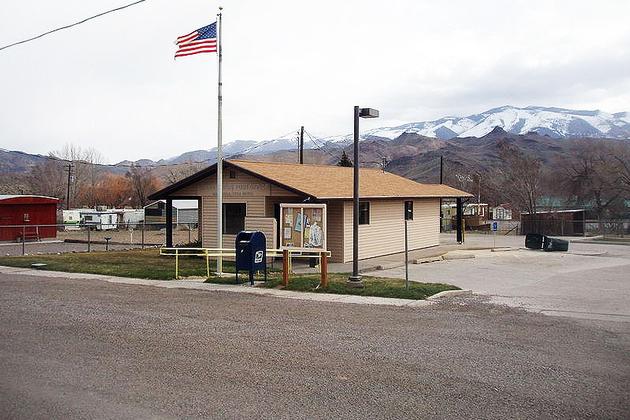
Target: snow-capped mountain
[[554, 122]]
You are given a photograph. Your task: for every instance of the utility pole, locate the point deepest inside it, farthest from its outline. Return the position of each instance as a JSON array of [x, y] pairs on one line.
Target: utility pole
[[441, 182], [302, 145], [69, 169]]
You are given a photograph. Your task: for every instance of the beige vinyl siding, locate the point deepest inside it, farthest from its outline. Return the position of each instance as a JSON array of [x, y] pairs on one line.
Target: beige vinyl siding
[[242, 189], [335, 231], [386, 235], [266, 225]]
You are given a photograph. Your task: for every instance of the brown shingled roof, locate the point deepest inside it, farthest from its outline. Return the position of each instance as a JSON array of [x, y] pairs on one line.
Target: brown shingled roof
[[328, 182]]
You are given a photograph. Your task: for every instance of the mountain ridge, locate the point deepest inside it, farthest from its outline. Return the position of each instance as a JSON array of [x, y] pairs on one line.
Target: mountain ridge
[[553, 122]]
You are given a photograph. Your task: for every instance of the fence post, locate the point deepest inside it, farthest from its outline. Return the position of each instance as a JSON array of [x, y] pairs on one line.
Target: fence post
[[143, 225], [89, 240], [23, 240], [324, 269], [176, 264], [285, 267]]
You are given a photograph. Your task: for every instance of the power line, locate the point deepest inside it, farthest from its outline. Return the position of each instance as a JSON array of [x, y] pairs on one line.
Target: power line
[[71, 25], [260, 144], [317, 145], [384, 159]]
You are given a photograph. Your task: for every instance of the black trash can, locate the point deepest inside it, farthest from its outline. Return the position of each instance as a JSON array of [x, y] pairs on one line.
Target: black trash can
[[555, 244], [534, 241]]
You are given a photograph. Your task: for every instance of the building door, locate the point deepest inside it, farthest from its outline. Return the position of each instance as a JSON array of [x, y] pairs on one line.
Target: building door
[[276, 215]]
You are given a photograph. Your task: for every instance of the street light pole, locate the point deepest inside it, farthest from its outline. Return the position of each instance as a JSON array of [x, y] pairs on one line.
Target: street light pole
[[355, 280]]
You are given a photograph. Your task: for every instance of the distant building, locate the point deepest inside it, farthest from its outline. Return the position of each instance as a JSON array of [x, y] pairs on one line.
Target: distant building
[[185, 212], [501, 212], [103, 219], [21, 217], [476, 209]]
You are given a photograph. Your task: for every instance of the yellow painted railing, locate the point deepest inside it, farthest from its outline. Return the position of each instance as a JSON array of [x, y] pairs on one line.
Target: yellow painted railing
[[231, 252]]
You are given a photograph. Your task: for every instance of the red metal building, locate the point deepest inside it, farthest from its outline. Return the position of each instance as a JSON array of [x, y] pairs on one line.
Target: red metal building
[[29, 211]]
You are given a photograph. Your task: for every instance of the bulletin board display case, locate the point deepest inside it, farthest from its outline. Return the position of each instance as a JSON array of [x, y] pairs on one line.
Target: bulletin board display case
[[303, 226]]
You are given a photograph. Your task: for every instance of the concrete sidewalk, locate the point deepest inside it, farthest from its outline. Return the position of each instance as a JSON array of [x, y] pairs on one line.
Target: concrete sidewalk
[[235, 288]]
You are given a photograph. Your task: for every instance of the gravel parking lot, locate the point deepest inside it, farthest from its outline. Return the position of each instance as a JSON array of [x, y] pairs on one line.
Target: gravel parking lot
[[91, 349]]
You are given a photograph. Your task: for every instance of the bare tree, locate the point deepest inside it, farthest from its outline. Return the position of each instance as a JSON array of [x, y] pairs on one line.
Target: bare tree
[[179, 172], [591, 177], [86, 171], [520, 178], [48, 178], [143, 183], [621, 164]]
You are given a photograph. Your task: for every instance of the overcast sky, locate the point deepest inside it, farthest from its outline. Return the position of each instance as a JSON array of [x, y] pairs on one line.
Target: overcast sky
[[113, 84]]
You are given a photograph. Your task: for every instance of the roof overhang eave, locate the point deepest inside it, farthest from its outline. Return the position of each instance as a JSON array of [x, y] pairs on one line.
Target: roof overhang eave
[[401, 197]]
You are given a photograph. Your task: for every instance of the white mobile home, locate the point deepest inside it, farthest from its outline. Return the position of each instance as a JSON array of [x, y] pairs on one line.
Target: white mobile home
[[100, 220]]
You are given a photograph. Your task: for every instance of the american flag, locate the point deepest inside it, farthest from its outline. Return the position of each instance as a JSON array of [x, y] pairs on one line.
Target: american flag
[[203, 40]]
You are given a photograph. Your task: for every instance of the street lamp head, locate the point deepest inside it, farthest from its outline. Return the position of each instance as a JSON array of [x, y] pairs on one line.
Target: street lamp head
[[368, 113]]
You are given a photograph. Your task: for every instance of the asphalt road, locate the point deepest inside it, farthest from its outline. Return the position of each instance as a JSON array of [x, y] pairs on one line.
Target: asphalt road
[[91, 349]]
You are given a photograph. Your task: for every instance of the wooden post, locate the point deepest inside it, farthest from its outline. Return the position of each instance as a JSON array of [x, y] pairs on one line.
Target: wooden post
[[324, 269], [285, 267]]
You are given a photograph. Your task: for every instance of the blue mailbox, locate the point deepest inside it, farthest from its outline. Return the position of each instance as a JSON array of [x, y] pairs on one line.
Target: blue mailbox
[[251, 253]]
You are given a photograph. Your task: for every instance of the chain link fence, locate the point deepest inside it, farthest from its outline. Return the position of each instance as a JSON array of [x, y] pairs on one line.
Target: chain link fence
[[609, 228], [88, 237]]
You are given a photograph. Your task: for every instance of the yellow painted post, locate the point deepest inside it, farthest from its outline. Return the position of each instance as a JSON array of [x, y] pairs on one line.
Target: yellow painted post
[[176, 264], [207, 264], [290, 262]]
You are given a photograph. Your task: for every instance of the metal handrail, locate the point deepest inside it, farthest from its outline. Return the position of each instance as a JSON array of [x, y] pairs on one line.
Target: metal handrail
[[231, 252]]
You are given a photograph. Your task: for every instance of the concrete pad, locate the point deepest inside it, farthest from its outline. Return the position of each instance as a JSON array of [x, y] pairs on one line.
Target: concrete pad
[[590, 282], [428, 260], [458, 255]]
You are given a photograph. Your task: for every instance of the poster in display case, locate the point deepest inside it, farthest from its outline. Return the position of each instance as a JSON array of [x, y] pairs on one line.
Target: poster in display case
[[303, 226]]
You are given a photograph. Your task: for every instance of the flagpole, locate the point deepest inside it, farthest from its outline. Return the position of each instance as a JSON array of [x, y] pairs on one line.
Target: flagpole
[[219, 149]]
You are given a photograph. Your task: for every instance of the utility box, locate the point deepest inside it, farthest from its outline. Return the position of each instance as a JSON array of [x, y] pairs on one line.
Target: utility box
[[251, 253]]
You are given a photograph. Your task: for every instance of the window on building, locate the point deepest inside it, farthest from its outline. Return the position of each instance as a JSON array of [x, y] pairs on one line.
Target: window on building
[[364, 213], [408, 210], [234, 218], [232, 174]]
